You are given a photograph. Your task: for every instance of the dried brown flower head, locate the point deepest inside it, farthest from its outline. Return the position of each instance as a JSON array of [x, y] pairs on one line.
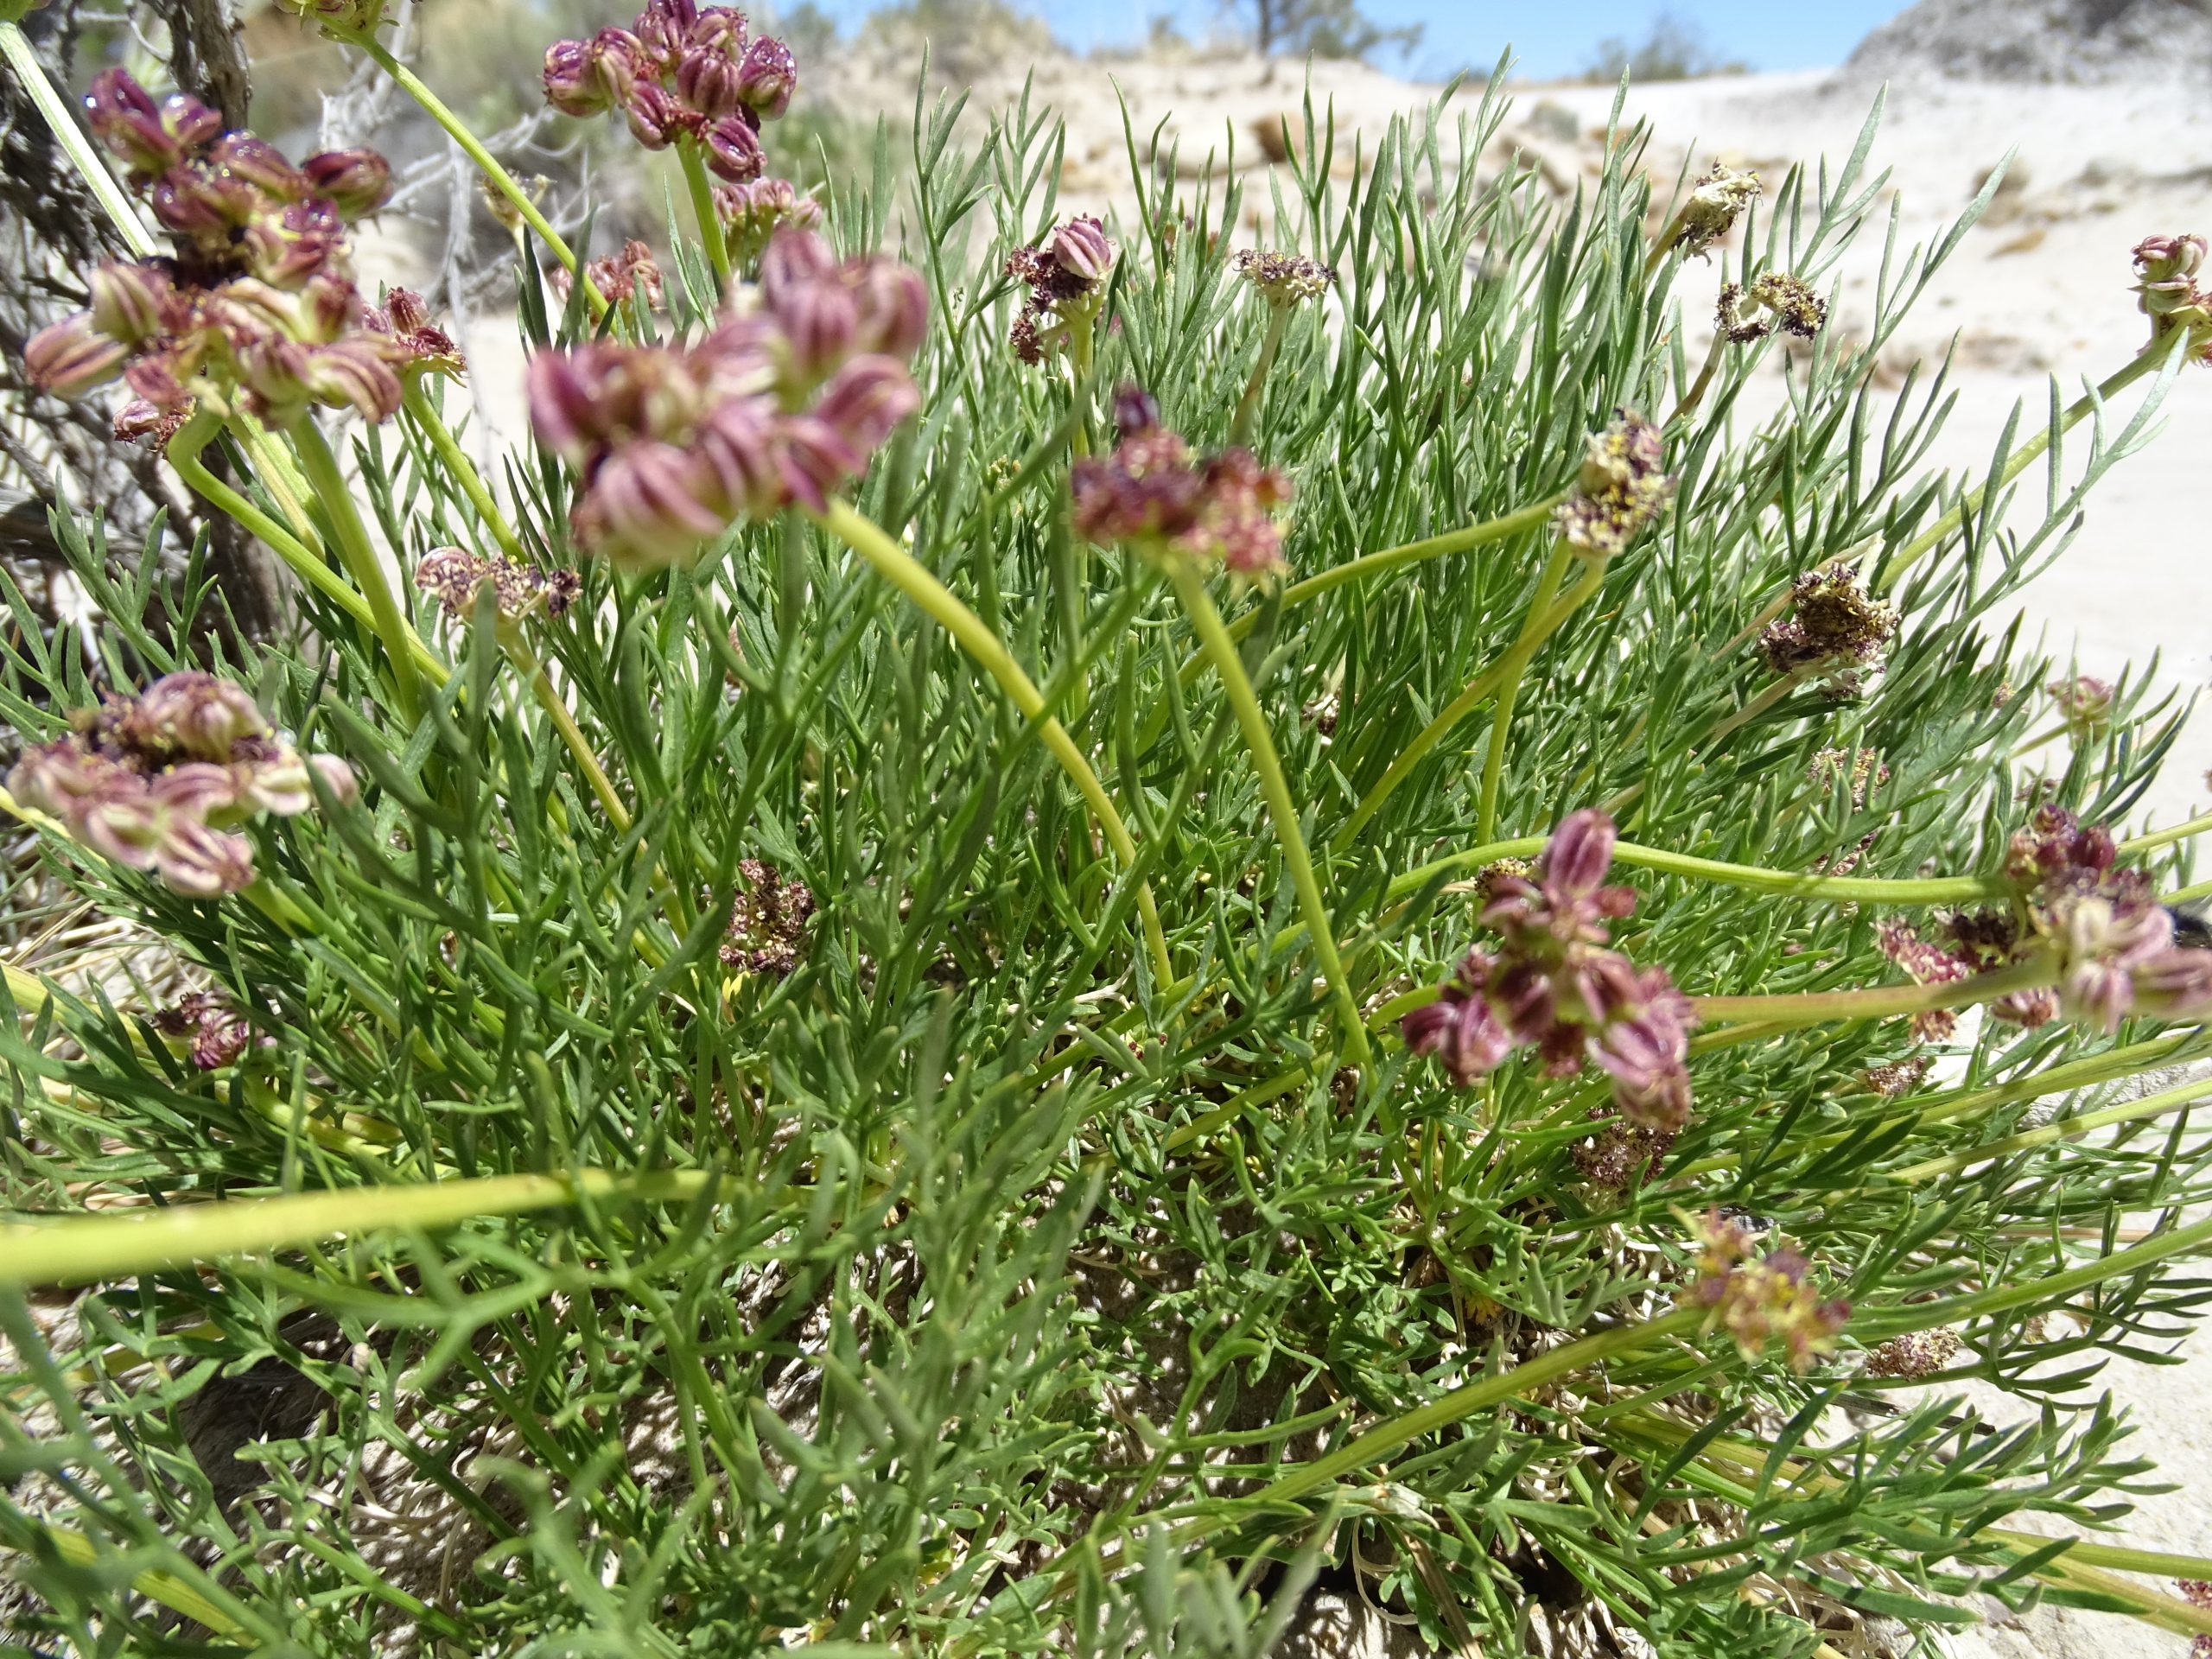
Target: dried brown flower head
[[1284, 279], [1916, 1354], [1775, 301], [452, 575], [1834, 628], [767, 921], [1622, 487]]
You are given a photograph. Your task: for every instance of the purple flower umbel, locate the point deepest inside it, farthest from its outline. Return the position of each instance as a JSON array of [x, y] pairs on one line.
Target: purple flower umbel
[[681, 72], [783, 401], [259, 301], [1554, 987], [1152, 495], [160, 781]]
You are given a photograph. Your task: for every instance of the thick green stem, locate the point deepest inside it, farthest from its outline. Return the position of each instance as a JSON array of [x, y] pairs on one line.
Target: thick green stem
[[359, 557], [1514, 668], [1190, 586], [1079, 378], [1248, 405], [433, 427], [702, 209], [1876, 1002], [1751, 710], [83, 1250], [2159, 838], [30, 74], [486, 163], [899, 567]]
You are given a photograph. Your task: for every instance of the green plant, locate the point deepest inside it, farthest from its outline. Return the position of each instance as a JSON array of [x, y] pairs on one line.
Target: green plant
[[851, 1047]]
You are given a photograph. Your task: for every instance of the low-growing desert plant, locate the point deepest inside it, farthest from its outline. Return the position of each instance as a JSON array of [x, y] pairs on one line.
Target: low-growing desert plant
[[1020, 951]]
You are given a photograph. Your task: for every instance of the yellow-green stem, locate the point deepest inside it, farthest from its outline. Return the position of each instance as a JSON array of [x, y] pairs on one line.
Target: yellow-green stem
[[2159, 838], [486, 163], [279, 476], [1751, 710], [83, 1250], [30, 74], [868, 538], [2073, 1129], [1190, 587], [302, 561], [702, 209], [1079, 378], [1516, 666], [1876, 1002], [1390, 558], [1477, 692], [549, 698], [359, 557], [433, 427], [1248, 404]]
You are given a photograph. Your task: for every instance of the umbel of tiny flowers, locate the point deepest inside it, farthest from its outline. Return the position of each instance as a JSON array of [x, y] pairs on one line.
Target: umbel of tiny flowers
[[750, 214], [1832, 630], [767, 922], [1064, 279], [1757, 1301], [1553, 986], [258, 303], [1152, 495], [782, 402], [1283, 280], [160, 781], [214, 1034], [1715, 202], [2085, 704], [1622, 487], [1775, 301], [2166, 291], [620, 276], [452, 575], [680, 73], [2197, 1593], [2108, 940]]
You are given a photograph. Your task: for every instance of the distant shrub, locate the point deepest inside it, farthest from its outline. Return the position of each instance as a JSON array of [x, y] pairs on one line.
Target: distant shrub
[[1675, 49]]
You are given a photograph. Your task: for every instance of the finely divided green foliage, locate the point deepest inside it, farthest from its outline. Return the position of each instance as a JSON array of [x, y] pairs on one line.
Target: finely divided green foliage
[[897, 1303]]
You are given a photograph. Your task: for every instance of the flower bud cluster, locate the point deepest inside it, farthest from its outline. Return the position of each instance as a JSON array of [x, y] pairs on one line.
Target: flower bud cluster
[[160, 781], [750, 214], [1151, 495], [767, 921], [2110, 940], [1283, 279], [1553, 986], [1832, 630], [1066, 278], [681, 72], [783, 401], [620, 276], [1715, 202], [1622, 487], [351, 16], [1756, 1301], [2166, 291], [1621, 1153], [259, 301], [2085, 703], [214, 1034], [1778, 300], [452, 575]]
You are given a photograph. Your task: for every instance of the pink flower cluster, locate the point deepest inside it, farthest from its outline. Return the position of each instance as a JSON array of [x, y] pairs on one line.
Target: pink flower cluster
[[750, 214], [2166, 291], [259, 299], [619, 276], [783, 401], [2111, 942], [160, 781], [1150, 494], [1553, 987], [214, 1034], [1066, 276], [681, 72], [1756, 1301]]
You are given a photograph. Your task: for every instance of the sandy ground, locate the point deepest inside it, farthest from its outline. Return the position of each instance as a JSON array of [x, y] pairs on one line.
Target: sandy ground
[[2039, 291]]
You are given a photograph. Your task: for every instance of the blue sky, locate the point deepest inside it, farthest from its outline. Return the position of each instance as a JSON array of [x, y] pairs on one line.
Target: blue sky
[[1552, 37]]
